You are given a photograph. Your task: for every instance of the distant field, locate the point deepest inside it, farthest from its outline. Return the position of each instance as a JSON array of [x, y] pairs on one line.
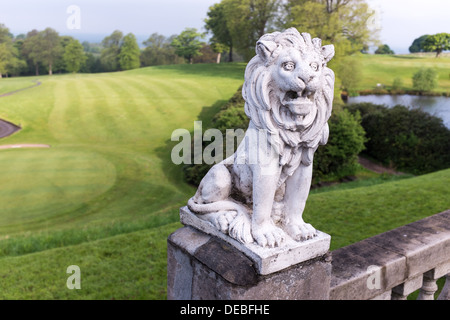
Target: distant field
[[9, 85], [384, 69], [105, 195]]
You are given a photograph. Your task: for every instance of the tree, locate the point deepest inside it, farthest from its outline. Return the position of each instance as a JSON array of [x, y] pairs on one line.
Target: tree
[[349, 71], [343, 23], [384, 49], [248, 20], [74, 56], [9, 54], [425, 80], [417, 45], [188, 44], [129, 53], [158, 51], [49, 48], [109, 56], [218, 48], [438, 42], [31, 49], [216, 23]]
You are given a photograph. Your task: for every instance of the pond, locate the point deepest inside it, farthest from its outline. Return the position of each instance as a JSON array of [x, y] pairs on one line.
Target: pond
[[436, 106]]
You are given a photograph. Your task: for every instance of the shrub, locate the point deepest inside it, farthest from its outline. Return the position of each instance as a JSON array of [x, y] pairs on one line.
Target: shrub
[[384, 49], [412, 140], [339, 157], [397, 83], [425, 80], [231, 116]]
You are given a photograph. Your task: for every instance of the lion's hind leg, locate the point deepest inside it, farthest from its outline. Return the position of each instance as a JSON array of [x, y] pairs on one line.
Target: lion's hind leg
[[212, 202]]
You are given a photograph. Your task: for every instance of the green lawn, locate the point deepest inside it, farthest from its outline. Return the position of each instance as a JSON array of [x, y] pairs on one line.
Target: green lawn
[[384, 69], [105, 196], [13, 84], [109, 160]]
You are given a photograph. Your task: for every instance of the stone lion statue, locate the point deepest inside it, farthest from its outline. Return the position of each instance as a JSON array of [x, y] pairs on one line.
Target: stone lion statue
[[259, 193]]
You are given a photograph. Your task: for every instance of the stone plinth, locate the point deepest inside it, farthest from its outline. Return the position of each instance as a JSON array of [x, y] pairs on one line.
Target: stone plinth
[[202, 266], [266, 260]]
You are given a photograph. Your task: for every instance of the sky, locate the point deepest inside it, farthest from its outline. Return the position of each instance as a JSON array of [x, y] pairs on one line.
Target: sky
[[401, 21]]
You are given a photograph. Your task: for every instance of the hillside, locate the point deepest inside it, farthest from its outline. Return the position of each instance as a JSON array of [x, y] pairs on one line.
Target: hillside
[[105, 195], [133, 265], [383, 69]]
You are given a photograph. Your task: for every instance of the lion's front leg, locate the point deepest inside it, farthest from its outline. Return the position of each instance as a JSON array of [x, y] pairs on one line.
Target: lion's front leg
[[264, 230], [296, 194]]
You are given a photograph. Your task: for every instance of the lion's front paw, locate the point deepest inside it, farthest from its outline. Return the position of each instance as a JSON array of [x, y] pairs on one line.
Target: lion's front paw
[[301, 231], [268, 235]]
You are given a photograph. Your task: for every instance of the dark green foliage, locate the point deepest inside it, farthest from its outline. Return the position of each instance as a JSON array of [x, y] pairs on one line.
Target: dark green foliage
[[231, 116], [411, 140], [384, 49], [437, 43], [339, 157], [417, 45]]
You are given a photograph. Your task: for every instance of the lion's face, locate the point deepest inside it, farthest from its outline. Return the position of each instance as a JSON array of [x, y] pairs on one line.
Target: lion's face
[[289, 89], [298, 76]]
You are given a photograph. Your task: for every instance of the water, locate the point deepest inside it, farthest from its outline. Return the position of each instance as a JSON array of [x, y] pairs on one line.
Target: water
[[436, 106]]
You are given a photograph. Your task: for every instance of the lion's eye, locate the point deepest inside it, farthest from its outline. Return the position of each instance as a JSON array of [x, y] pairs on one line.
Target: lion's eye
[[314, 66], [289, 66]]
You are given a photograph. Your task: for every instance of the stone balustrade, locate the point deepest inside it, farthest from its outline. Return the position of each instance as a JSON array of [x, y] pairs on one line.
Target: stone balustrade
[[396, 263], [391, 265]]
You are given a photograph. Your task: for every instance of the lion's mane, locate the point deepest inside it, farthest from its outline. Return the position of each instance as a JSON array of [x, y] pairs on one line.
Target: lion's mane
[[290, 135]]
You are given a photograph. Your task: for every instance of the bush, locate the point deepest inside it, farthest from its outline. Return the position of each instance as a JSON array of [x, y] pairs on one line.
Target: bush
[[412, 140], [333, 161], [339, 157], [397, 83], [384, 49], [425, 80]]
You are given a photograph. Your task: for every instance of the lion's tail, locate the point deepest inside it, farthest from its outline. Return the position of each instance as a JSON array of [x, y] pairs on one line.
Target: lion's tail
[[221, 205], [239, 228]]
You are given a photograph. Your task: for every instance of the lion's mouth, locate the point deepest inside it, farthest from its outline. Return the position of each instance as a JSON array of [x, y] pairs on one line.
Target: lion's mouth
[[299, 103]]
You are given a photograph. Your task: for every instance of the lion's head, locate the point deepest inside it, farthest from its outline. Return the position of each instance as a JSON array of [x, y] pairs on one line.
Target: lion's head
[[289, 88]]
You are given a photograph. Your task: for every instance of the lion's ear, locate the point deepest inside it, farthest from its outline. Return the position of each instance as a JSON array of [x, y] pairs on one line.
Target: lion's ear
[[328, 52], [265, 49]]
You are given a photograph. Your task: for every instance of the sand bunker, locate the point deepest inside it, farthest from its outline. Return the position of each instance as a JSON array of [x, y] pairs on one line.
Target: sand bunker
[[25, 145]]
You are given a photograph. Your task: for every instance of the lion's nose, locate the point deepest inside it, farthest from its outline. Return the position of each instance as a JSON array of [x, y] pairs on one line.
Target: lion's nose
[[305, 77]]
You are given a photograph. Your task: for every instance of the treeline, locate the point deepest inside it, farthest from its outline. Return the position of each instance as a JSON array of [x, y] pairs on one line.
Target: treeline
[[46, 51], [234, 26]]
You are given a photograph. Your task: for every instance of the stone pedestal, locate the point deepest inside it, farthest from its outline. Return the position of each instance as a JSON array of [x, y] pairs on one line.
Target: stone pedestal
[[203, 266]]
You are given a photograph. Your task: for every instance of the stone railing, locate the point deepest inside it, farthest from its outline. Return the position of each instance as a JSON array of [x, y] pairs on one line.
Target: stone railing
[[396, 263], [390, 265]]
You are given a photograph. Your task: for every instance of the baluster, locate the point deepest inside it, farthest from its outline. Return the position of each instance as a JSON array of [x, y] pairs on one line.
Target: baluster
[[429, 287], [445, 293], [398, 296], [402, 291]]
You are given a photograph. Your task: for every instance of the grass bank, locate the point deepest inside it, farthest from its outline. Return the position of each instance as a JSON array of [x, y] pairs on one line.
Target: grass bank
[[105, 195], [383, 69]]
